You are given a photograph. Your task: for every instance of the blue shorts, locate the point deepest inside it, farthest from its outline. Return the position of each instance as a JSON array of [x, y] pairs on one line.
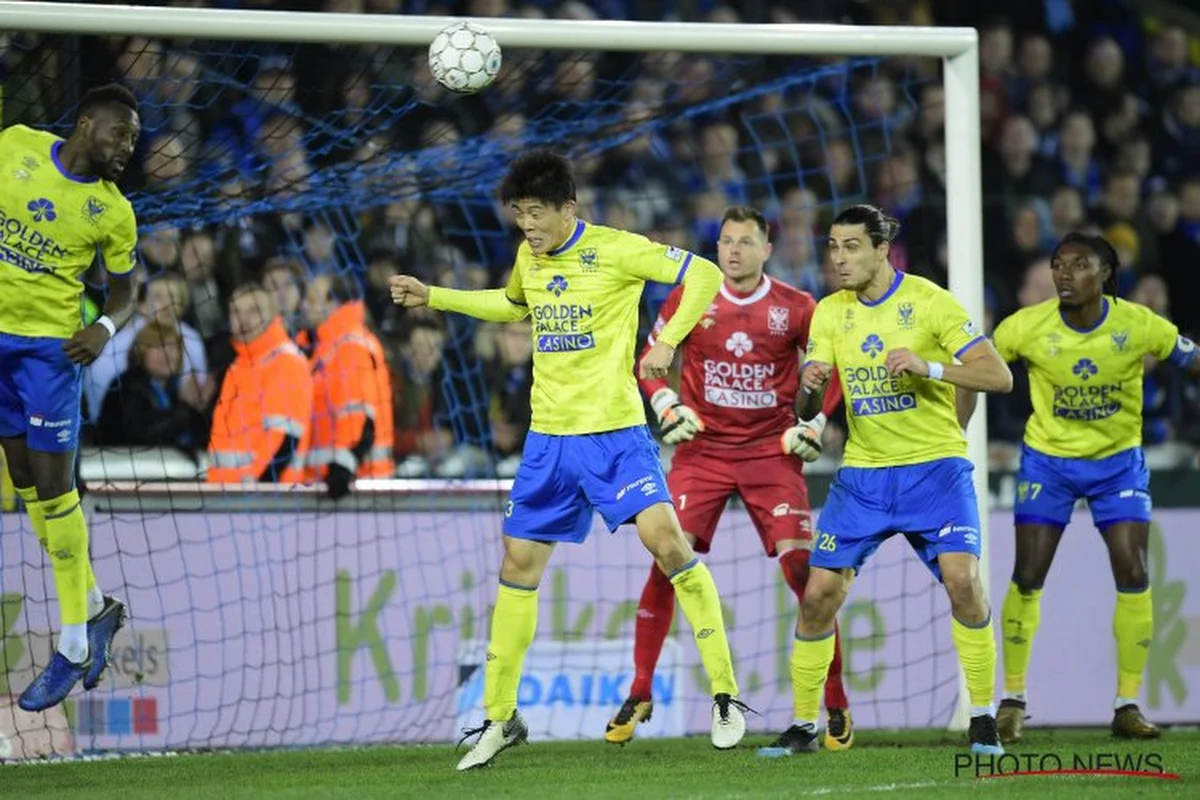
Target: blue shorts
[[40, 391], [1117, 488], [933, 505], [563, 479]]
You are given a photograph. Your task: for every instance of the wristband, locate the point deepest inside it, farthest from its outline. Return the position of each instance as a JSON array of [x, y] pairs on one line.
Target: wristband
[[936, 370], [662, 400], [108, 325]]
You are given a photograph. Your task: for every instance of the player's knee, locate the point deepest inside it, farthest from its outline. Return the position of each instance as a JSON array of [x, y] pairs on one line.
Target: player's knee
[[22, 478], [53, 474], [965, 591], [1131, 577], [1028, 577], [822, 597]]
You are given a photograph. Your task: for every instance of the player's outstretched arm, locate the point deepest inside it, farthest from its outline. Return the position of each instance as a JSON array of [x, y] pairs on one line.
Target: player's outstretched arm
[[490, 305], [701, 282], [982, 369], [87, 343]]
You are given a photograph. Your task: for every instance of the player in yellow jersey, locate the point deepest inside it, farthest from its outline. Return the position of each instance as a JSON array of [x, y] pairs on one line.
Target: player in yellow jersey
[[1086, 354], [59, 208], [894, 339], [588, 447]]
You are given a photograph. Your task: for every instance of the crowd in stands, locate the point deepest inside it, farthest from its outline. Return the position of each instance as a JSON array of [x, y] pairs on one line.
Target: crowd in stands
[[1090, 121]]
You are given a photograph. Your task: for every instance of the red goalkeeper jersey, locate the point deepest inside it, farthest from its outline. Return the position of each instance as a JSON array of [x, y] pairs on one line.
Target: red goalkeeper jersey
[[741, 367]]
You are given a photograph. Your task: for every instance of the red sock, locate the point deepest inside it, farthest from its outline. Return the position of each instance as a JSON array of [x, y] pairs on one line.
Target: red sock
[[655, 612], [795, 572], [835, 692]]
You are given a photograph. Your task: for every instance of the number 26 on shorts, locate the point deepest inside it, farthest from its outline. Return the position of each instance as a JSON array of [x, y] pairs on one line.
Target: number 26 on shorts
[[826, 542]]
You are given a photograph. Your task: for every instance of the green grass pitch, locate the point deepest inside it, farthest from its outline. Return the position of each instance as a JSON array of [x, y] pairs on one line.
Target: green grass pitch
[[916, 764]]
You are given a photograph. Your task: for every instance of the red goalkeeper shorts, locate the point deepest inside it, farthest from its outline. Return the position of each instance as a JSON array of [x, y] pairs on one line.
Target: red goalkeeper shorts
[[772, 489]]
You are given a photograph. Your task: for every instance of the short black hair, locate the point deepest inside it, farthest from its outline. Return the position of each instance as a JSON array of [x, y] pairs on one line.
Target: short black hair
[[880, 227], [539, 175], [746, 213], [108, 94], [1101, 249]]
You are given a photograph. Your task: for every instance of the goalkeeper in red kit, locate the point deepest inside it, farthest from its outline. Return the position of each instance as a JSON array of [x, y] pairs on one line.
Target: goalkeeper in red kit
[[736, 431]]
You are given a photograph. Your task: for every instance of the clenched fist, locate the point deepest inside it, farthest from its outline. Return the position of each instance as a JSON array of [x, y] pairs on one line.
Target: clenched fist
[[407, 291]]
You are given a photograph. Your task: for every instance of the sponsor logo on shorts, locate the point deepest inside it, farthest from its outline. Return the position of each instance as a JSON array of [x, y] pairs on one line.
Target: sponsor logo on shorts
[[38, 421], [969, 535], [646, 481]]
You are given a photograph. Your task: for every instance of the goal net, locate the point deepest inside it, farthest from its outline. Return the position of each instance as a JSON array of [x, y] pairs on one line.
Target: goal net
[[270, 618]]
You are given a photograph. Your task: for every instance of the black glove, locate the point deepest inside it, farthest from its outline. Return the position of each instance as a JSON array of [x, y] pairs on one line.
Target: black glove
[[338, 481]]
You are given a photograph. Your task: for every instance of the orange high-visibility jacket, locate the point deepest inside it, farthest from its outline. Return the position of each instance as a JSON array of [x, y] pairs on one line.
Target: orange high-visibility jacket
[[352, 422], [266, 398]]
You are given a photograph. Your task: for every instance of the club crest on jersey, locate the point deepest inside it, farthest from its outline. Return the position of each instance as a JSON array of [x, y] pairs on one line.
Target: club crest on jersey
[[904, 316], [777, 320], [1120, 340], [588, 260], [739, 344], [872, 345], [1085, 368], [42, 210], [93, 209]]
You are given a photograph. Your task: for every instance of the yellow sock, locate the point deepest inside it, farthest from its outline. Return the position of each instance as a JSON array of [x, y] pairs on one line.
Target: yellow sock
[[1133, 626], [977, 653], [697, 596], [810, 664], [514, 622], [1020, 616], [67, 543], [37, 521]]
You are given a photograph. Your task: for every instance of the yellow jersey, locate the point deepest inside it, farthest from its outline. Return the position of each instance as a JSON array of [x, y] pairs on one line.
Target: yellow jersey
[[52, 226], [583, 299], [1086, 385], [894, 420]]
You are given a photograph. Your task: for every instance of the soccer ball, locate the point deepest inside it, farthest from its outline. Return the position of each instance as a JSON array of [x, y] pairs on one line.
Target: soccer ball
[[464, 57]]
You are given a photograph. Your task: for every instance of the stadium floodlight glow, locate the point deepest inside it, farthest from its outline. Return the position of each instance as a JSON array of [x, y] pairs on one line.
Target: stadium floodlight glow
[[957, 47]]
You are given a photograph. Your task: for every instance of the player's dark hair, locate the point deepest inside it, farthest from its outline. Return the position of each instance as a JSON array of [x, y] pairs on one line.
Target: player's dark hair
[[1102, 250], [879, 226], [106, 95], [539, 175], [746, 214]]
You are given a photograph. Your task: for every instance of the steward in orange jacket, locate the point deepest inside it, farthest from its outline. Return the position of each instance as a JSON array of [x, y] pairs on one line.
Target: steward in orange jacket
[[262, 417], [352, 423]]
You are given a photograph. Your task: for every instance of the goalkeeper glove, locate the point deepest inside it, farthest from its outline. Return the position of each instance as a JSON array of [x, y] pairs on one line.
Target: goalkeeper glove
[[677, 422], [804, 438]]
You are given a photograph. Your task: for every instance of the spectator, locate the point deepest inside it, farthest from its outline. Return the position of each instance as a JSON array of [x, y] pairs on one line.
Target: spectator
[[164, 299], [352, 431], [418, 389], [509, 376], [154, 404], [261, 422]]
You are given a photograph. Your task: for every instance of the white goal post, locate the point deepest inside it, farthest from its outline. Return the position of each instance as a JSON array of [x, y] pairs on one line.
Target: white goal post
[[957, 47]]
